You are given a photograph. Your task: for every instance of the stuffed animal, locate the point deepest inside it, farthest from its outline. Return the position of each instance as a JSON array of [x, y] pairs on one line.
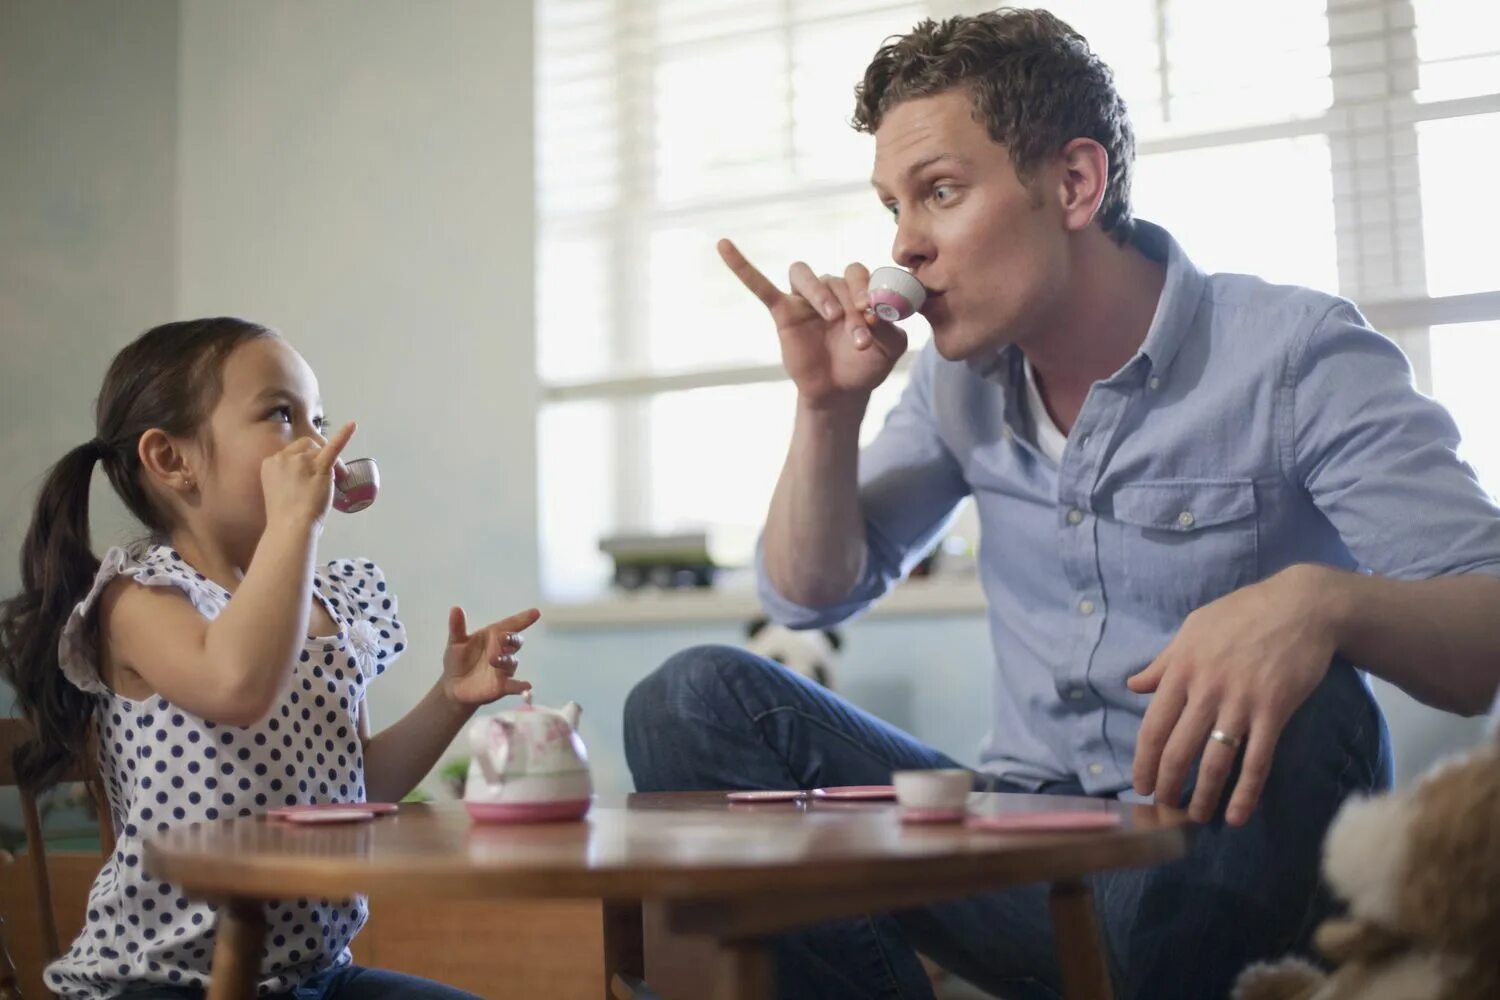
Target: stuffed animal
[[812, 653], [1420, 870]]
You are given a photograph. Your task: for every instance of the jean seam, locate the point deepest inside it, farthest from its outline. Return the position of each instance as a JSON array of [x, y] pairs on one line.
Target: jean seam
[[885, 958], [815, 721], [1349, 760]]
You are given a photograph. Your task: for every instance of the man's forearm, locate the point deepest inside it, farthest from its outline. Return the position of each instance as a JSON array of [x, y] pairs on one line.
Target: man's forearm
[[1438, 639], [814, 542]]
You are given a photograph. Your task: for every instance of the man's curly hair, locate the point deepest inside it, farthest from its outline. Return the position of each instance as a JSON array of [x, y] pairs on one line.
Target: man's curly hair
[[1035, 86]]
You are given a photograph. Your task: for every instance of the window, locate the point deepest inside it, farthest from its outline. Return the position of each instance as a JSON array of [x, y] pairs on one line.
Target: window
[[1323, 142]]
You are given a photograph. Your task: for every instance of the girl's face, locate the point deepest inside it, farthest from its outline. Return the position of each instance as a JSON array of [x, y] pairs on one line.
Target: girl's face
[[269, 399]]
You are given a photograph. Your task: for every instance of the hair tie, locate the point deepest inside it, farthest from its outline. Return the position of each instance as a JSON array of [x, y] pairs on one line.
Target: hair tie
[[98, 449]]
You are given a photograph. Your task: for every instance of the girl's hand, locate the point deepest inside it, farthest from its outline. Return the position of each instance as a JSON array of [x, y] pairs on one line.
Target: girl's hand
[[298, 479], [479, 668]]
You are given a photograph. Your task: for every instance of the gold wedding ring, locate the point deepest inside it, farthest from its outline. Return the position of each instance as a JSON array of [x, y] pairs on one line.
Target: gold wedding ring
[[1232, 742]]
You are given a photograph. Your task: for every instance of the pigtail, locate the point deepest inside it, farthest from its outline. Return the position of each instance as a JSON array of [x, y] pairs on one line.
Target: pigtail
[[57, 568]]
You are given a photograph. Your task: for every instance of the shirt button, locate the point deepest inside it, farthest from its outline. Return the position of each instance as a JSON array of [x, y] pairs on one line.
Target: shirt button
[[1076, 694], [1096, 769], [1075, 516], [1008, 433], [1155, 382], [1186, 519], [1085, 607]]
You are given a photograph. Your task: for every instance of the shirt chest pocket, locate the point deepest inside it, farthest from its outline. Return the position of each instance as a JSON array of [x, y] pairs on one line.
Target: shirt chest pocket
[[1185, 542]]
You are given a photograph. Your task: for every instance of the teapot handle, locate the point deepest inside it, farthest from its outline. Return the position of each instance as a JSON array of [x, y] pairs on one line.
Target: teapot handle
[[490, 744]]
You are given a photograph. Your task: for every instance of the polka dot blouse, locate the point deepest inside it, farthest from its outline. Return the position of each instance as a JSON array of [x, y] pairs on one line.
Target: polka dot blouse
[[164, 767]]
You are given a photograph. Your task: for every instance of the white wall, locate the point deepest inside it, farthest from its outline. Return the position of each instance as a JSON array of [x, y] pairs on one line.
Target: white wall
[[357, 174]]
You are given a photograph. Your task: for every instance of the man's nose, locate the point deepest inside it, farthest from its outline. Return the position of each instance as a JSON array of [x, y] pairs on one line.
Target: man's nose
[[911, 247]]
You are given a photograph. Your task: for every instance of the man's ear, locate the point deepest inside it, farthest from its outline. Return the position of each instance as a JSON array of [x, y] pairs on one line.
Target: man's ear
[[166, 462], [1083, 178]]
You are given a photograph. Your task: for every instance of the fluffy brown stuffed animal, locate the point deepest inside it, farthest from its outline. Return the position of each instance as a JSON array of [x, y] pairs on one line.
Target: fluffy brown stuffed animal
[[1420, 870]]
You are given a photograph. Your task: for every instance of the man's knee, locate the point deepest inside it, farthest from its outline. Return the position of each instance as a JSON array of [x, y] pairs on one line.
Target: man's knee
[[684, 685]]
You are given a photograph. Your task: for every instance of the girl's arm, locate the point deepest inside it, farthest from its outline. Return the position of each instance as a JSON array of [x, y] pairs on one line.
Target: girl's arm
[[478, 668], [230, 670]]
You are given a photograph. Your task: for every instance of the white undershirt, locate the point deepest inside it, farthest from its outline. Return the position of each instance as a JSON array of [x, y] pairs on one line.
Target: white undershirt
[[1049, 438]]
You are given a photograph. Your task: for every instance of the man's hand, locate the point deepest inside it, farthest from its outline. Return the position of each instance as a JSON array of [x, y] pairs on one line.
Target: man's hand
[[1239, 667], [831, 346]]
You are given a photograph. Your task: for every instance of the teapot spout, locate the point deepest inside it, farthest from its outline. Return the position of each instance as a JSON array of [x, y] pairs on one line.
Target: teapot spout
[[571, 711]]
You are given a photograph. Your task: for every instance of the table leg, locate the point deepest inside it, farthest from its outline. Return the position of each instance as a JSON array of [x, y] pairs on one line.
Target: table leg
[[1080, 950], [240, 940], [747, 971], [624, 947]]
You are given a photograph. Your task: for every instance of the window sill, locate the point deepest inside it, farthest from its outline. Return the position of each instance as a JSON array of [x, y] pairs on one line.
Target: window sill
[[956, 596]]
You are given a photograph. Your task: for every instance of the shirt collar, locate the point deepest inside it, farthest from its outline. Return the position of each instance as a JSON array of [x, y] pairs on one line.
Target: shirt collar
[[1180, 294]]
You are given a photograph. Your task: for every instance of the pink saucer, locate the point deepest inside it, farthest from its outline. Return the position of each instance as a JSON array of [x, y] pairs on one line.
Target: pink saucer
[[1061, 820], [856, 793], [932, 815], [310, 813], [767, 795], [528, 812]]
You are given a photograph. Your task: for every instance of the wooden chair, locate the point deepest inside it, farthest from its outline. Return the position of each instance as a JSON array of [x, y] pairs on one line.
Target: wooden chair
[[13, 733]]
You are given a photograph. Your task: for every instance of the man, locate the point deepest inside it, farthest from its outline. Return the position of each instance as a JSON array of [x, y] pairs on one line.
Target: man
[[1203, 499]]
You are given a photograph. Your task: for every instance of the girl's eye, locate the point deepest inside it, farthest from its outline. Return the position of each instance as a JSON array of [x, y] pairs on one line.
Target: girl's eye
[[320, 424], [894, 209], [282, 413]]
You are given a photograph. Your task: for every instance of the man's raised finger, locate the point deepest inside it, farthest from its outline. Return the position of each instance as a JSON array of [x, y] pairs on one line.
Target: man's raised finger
[[749, 275], [857, 277]]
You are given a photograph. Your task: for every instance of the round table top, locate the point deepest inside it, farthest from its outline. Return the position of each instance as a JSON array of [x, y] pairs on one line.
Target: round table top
[[684, 845]]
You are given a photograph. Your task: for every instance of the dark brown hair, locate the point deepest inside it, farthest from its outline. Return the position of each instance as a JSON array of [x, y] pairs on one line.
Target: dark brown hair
[[170, 378], [1035, 87]]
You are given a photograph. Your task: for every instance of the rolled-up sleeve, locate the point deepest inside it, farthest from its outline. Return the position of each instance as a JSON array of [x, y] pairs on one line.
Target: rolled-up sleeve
[[1380, 459], [910, 485]]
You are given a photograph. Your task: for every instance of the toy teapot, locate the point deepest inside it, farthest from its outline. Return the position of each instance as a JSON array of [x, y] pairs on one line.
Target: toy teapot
[[528, 765]]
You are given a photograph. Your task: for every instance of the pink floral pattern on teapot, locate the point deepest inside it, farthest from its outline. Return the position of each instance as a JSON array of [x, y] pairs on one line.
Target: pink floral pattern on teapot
[[528, 765]]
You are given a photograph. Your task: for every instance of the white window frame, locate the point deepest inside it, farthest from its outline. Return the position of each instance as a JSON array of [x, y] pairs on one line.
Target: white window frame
[[1377, 211]]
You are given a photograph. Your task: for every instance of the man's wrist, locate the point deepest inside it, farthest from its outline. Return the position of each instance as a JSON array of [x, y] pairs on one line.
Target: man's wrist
[[839, 409], [1332, 598]]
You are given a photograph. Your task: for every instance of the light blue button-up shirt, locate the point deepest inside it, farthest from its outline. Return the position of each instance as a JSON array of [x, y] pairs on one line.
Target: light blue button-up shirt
[[1258, 426]]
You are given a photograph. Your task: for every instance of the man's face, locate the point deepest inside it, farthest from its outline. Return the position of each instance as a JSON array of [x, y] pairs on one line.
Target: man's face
[[991, 250]]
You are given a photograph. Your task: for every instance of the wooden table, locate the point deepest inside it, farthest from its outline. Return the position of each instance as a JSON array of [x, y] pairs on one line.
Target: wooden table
[[686, 878]]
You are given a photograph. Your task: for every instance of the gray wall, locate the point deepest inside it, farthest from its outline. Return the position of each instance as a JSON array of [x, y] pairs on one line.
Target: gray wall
[[358, 175], [88, 215]]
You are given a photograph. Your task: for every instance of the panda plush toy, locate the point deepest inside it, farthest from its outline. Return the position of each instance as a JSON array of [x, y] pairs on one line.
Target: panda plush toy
[[813, 653]]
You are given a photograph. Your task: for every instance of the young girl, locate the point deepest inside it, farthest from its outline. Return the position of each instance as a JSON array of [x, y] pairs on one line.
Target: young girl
[[221, 670]]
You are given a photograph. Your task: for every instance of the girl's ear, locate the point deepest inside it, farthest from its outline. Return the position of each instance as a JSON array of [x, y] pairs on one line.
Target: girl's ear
[[166, 461]]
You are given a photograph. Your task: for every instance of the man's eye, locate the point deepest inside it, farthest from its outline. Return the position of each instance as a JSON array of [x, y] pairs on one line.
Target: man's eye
[[942, 192], [894, 209]]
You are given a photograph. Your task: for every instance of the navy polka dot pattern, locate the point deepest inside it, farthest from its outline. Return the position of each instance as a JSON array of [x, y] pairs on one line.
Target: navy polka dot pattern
[[164, 767]]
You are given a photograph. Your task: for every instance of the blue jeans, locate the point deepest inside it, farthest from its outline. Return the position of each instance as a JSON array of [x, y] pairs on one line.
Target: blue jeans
[[351, 982], [718, 717]]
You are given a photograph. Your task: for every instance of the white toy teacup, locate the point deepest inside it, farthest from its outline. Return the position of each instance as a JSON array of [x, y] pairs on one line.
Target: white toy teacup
[[528, 765]]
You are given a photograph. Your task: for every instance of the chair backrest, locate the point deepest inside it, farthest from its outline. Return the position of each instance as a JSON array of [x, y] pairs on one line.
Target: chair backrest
[[14, 733]]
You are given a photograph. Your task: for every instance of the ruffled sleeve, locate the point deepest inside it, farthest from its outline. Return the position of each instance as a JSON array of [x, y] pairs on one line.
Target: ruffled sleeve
[[153, 566], [366, 604]]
